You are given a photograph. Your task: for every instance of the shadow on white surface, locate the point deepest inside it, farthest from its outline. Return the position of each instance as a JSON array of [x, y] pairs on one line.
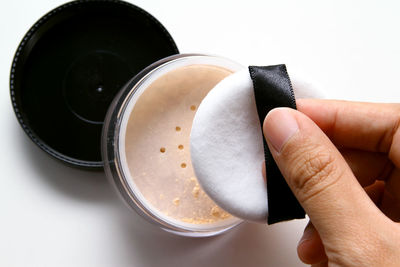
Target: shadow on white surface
[[131, 239], [72, 182], [247, 245]]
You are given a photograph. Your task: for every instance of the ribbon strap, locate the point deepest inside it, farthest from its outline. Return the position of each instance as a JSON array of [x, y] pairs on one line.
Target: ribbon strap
[[272, 89]]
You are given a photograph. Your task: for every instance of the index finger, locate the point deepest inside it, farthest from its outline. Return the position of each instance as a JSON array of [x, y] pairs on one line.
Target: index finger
[[365, 126]]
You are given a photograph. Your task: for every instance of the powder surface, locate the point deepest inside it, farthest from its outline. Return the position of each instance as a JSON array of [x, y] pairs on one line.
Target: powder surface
[[158, 142]]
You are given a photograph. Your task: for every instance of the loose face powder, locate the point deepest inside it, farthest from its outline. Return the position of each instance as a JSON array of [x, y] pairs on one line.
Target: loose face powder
[[157, 144], [153, 146]]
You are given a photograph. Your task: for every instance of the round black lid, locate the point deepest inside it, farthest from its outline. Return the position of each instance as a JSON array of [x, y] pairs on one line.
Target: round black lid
[[71, 64]]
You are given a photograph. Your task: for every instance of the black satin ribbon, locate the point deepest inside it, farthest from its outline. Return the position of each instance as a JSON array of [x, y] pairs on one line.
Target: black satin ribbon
[[272, 89]]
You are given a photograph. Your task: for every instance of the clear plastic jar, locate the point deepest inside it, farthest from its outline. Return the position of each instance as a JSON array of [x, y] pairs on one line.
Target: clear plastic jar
[[145, 144]]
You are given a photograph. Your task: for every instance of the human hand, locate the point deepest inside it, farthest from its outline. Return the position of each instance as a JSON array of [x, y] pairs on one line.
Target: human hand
[[339, 158]]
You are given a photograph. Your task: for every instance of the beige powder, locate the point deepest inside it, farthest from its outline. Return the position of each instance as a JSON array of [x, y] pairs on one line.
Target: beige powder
[[157, 143]]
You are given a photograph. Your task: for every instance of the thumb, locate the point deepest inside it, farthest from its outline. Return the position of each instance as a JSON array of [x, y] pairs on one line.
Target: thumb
[[318, 175]]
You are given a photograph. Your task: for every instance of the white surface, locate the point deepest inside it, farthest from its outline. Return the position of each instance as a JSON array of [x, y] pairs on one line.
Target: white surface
[[52, 215], [226, 146]]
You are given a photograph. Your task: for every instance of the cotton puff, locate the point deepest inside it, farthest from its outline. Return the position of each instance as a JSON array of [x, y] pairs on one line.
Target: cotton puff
[[226, 146]]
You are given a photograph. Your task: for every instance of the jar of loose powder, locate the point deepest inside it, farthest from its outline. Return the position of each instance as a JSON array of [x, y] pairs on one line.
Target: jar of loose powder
[[145, 144]]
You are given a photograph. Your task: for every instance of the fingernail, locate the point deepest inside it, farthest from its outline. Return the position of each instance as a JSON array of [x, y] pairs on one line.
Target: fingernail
[[279, 126], [307, 235]]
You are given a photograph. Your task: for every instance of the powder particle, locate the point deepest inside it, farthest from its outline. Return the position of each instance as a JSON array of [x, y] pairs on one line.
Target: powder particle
[[176, 201], [215, 211], [219, 213], [196, 190]]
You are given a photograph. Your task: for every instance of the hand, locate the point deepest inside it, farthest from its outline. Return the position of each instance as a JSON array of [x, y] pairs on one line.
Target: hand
[[342, 162]]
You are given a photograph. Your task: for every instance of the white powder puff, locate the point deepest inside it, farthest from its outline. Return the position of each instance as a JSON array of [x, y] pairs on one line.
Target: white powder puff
[[227, 147]]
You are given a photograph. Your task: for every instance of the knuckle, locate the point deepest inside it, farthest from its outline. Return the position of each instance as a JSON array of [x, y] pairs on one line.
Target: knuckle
[[313, 170]]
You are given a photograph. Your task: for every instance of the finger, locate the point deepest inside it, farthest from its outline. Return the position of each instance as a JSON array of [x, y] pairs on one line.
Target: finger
[[318, 175], [310, 248], [390, 207], [321, 264], [393, 184], [365, 126], [390, 202], [367, 166], [382, 195], [375, 192]]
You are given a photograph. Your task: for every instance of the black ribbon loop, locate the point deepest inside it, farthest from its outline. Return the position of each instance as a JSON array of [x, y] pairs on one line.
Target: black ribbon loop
[[272, 89]]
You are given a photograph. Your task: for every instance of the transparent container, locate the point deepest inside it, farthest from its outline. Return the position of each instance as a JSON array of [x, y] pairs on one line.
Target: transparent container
[[147, 158]]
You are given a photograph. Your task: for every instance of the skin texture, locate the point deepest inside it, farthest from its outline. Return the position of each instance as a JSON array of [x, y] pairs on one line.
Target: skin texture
[[342, 161]]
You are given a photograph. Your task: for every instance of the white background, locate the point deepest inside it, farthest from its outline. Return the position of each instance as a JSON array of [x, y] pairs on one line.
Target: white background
[[53, 215]]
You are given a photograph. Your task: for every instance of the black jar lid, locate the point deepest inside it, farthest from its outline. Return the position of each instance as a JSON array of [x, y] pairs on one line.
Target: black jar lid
[[71, 64]]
